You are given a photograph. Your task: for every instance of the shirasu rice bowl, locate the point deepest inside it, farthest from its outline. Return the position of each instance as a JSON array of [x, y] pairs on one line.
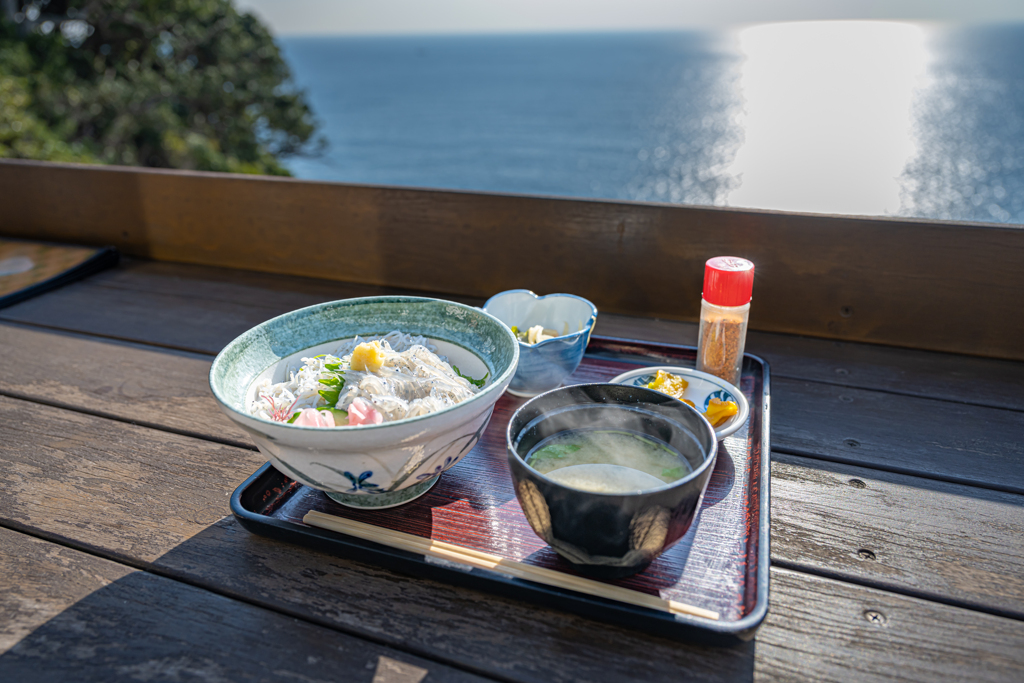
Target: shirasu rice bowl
[[374, 465], [365, 380]]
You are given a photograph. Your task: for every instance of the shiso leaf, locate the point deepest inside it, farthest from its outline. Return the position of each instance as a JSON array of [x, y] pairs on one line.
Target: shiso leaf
[[294, 417], [477, 382], [554, 452], [334, 384], [673, 473], [330, 395]]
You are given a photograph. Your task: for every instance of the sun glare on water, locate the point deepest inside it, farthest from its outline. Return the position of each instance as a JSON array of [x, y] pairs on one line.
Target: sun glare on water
[[827, 120]]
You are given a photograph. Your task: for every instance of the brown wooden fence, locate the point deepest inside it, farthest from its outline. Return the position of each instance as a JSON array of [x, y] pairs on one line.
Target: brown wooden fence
[[923, 284]]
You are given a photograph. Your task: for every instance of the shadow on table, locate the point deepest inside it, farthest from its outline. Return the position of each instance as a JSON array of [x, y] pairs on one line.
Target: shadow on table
[[144, 627], [228, 625]]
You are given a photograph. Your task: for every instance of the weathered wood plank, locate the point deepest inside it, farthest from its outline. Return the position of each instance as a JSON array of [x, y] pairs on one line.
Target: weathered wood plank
[[820, 522], [933, 539], [911, 372], [941, 286], [967, 379], [158, 500], [69, 616], [980, 381], [952, 441], [893, 431], [203, 308], [142, 384], [850, 633], [189, 308]]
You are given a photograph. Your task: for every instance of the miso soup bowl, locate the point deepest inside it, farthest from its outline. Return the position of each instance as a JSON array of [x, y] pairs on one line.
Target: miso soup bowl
[[610, 535], [369, 466]]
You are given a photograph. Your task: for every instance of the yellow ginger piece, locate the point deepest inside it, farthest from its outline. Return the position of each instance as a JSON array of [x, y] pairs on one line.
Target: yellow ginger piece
[[719, 411], [368, 357], [670, 384]]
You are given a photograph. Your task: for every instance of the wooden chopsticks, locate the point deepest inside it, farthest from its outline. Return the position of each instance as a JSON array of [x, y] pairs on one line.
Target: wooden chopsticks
[[519, 570]]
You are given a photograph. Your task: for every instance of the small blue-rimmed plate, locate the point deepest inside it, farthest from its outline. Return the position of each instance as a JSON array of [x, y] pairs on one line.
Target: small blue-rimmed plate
[[701, 388]]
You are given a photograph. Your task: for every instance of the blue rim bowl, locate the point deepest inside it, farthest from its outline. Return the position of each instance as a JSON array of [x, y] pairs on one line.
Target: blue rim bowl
[[545, 365], [371, 466]]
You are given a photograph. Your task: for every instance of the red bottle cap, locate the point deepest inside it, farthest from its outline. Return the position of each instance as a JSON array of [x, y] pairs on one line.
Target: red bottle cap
[[728, 281]]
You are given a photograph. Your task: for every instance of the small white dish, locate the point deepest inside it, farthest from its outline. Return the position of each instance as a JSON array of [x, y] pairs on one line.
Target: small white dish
[[702, 387]]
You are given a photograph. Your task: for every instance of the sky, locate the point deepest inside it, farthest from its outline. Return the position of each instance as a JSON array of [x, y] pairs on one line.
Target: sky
[[375, 17]]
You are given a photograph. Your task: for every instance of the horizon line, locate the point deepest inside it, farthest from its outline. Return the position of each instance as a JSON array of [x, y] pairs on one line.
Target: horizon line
[[626, 31]]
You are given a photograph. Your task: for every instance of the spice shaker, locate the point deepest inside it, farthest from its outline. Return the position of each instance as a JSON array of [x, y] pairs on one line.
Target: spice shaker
[[724, 309]]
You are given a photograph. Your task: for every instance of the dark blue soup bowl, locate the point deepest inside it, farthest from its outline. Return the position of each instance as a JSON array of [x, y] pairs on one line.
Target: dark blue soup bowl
[[610, 535]]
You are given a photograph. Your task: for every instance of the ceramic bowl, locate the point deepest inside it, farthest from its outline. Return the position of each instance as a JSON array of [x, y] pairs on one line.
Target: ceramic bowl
[[545, 365], [610, 534], [371, 466], [701, 388]]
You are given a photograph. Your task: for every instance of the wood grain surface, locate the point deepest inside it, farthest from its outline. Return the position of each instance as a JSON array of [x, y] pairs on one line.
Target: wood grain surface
[[911, 639], [153, 495], [933, 539], [950, 377], [129, 493], [940, 439], [202, 309], [141, 384], [168, 390], [69, 616], [158, 501], [929, 285], [192, 308]]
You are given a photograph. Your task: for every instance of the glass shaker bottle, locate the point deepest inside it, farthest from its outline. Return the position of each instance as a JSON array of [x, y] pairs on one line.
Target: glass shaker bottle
[[724, 310]]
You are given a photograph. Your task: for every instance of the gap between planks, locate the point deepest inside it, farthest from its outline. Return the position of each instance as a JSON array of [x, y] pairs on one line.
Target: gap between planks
[[249, 446], [906, 471], [779, 375], [795, 566], [791, 618], [98, 335], [775, 449], [880, 586], [304, 291]]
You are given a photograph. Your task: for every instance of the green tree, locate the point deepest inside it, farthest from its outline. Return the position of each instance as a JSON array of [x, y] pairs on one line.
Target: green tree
[[168, 83]]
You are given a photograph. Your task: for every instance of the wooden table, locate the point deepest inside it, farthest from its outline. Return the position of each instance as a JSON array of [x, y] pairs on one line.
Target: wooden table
[[897, 517]]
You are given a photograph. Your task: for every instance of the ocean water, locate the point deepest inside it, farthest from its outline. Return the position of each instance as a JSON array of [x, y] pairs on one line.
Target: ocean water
[[866, 118]]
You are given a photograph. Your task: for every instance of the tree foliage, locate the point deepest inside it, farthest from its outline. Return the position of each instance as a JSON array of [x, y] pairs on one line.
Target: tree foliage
[[169, 83]]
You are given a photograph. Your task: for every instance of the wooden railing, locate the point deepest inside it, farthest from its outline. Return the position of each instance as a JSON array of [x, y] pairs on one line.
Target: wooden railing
[[923, 284]]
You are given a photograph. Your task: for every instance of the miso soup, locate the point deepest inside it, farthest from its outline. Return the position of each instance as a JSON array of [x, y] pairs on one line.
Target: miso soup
[[608, 461]]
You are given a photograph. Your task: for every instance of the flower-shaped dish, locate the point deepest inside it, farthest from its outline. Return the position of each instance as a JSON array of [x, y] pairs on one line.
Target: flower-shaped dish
[[546, 364]]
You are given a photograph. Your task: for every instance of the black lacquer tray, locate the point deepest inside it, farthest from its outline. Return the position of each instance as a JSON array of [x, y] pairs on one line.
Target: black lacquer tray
[[721, 564]]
